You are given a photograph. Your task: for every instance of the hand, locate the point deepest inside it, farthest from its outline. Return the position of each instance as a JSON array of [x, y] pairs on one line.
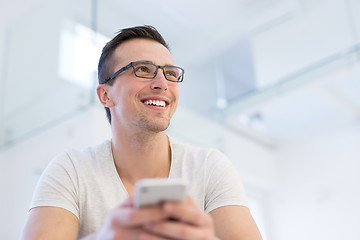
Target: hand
[[190, 223], [126, 222]]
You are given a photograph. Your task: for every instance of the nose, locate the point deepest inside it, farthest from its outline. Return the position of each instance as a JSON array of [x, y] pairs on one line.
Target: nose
[[160, 82]]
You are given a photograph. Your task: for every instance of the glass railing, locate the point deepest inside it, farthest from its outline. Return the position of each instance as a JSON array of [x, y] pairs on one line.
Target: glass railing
[[341, 61], [274, 113], [42, 80]]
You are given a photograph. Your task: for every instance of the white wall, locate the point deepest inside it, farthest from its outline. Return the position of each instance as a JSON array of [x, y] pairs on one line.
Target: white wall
[[319, 194]]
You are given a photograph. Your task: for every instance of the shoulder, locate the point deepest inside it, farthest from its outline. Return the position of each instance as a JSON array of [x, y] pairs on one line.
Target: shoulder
[[80, 156], [74, 160], [99, 150]]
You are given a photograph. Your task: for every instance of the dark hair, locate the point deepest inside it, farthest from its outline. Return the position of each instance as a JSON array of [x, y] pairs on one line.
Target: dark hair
[[142, 32]]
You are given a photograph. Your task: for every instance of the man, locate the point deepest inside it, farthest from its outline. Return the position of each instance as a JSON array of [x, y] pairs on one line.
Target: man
[[88, 194]]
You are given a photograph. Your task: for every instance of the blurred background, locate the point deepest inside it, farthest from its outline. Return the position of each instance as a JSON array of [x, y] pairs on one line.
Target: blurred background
[[275, 84]]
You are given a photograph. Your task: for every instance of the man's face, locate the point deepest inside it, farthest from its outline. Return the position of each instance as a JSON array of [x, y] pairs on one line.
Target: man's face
[[136, 100]]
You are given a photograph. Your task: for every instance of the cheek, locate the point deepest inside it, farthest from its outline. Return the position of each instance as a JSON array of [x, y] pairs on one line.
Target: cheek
[[176, 94], [120, 97], [124, 91]]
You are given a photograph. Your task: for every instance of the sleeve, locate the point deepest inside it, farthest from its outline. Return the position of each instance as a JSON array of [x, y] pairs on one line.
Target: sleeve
[[58, 186], [224, 186]]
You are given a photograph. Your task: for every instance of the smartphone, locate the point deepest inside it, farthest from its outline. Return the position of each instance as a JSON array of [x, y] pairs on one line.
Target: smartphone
[[154, 191]]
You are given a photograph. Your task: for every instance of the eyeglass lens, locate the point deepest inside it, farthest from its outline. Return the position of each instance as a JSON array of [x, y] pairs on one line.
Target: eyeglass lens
[[148, 70]]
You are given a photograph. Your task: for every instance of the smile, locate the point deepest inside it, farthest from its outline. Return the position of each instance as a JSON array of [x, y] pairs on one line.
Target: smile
[[158, 103]]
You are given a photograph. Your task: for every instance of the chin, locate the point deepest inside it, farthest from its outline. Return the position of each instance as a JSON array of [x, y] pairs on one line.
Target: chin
[[158, 128], [154, 126]]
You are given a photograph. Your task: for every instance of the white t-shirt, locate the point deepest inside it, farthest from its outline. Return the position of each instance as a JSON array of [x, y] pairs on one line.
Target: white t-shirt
[[87, 184]]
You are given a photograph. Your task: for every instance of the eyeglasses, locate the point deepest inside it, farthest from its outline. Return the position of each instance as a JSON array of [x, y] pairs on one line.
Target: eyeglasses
[[145, 69]]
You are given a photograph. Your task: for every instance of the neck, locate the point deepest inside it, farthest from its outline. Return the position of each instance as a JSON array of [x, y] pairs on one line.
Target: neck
[[140, 155]]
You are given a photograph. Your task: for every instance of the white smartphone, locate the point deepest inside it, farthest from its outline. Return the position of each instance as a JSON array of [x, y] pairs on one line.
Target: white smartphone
[[153, 191]]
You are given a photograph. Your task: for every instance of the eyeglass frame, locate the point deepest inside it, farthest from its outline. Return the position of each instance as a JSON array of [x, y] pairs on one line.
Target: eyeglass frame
[[115, 74]]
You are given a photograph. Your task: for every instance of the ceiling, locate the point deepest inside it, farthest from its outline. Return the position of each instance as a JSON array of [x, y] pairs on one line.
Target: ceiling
[[277, 70]]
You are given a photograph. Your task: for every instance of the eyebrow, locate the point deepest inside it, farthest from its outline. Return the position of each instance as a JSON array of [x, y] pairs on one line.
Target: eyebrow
[[147, 61]]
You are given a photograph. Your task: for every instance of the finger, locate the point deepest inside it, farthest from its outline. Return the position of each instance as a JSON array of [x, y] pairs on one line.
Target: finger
[[111, 230], [130, 217], [191, 201], [150, 236], [187, 212], [178, 230], [129, 202]]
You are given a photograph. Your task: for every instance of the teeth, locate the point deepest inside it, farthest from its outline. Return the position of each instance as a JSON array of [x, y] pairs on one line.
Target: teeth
[[158, 103]]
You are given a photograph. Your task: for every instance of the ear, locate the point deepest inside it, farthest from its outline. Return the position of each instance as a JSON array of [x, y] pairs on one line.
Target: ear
[[103, 94]]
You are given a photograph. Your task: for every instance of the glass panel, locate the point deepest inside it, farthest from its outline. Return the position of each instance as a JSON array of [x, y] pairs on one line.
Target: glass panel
[[50, 69]]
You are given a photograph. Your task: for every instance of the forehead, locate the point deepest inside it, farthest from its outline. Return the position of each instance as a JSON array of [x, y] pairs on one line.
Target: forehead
[[142, 49]]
